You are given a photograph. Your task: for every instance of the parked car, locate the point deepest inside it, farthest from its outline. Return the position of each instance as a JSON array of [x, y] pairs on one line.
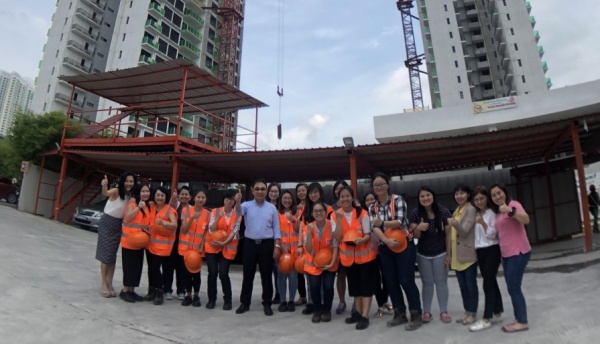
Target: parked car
[[87, 216], [9, 191]]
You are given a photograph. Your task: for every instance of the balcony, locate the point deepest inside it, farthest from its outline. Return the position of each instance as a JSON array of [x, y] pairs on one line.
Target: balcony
[[196, 19], [483, 64], [501, 47], [433, 73], [508, 78], [436, 88], [75, 65], [472, 13], [149, 43], [215, 54], [532, 20], [474, 25], [487, 94], [427, 30], [88, 17], [154, 7], [97, 4], [548, 82], [189, 46], [485, 78], [189, 118], [431, 58], [429, 45], [145, 60], [190, 33], [64, 99], [480, 51], [152, 25], [495, 17], [477, 38], [528, 6], [541, 51], [79, 48], [81, 31], [423, 3], [424, 17], [545, 66]]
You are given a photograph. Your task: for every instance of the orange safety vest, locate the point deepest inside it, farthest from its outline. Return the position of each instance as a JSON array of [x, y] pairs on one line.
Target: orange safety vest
[[139, 223], [325, 242], [230, 249], [350, 254], [161, 245], [289, 237], [408, 234], [194, 238]]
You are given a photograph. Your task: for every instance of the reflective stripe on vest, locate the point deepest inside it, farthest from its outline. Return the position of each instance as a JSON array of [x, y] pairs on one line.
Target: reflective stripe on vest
[[408, 234], [289, 237], [227, 226], [161, 245], [194, 238], [138, 223], [350, 254], [326, 241]]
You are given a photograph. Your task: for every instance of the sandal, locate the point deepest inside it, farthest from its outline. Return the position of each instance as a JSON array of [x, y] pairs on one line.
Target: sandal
[[426, 318], [379, 313], [341, 308], [388, 308], [469, 320], [445, 318], [510, 328]]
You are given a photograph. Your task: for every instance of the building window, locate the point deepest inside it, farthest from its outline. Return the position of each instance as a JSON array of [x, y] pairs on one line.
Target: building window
[[44, 108], [124, 37], [446, 8], [520, 64], [523, 78], [495, 54], [66, 20], [504, 2], [48, 90], [99, 54], [70, 5], [508, 16], [516, 47], [52, 73], [456, 64], [120, 53], [512, 31], [127, 20], [462, 96], [57, 53], [61, 36], [448, 21], [453, 49], [451, 35], [131, 4], [111, 10], [103, 39], [458, 78]]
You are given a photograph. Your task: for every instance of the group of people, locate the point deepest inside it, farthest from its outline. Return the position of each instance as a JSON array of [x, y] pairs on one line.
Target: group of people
[[370, 246]]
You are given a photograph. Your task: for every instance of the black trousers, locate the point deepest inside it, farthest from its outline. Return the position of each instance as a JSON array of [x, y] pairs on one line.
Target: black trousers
[[301, 286], [133, 263], [381, 294], [155, 263], [174, 264], [218, 266], [261, 252], [489, 261], [192, 280]]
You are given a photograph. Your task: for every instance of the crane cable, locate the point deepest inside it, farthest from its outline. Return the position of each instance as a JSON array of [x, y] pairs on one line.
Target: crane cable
[[280, 60]]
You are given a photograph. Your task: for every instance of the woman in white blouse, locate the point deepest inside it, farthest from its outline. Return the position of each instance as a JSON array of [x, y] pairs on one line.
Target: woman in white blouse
[[488, 256]]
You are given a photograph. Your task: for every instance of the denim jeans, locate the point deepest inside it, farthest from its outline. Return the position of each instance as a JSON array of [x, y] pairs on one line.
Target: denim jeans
[[514, 269], [321, 283], [467, 281], [399, 274], [218, 266], [282, 283]]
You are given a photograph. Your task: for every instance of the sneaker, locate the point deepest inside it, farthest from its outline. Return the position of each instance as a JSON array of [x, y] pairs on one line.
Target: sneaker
[[186, 301], [210, 304], [181, 296], [363, 323], [168, 296], [308, 309], [283, 307], [196, 301], [399, 319], [480, 325], [291, 306]]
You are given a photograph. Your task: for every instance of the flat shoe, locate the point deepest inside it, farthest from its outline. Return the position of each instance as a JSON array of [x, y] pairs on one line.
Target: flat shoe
[[105, 293], [510, 328], [341, 308]]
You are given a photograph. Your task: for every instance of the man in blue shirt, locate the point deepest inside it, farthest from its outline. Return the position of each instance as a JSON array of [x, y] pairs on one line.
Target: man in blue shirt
[[262, 244]]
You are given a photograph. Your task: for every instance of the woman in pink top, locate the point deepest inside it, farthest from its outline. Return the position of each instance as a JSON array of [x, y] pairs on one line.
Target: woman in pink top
[[510, 223]]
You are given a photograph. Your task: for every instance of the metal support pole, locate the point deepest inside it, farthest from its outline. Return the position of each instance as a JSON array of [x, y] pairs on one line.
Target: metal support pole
[[37, 195], [175, 176], [61, 180], [587, 229], [353, 181], [551, 199]]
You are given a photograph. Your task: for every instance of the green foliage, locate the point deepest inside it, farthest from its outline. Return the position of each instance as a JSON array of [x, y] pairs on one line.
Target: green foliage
[[32, 135]]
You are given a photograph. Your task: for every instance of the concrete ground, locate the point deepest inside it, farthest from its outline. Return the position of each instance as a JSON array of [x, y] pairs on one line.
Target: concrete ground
[[50, 294]]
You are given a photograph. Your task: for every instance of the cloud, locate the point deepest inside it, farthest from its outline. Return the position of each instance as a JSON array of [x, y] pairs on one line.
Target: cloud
[[329, 32]]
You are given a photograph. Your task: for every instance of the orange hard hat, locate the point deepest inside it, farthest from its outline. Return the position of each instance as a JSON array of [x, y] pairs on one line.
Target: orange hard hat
[[161, 230], [299, 265], [352, 235], [286, 263], [218, 235], [138, 240], [193, 261], [398, 234], [323, 257]]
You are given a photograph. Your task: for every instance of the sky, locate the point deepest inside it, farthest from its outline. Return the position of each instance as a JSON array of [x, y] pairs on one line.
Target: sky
[[343, 61]]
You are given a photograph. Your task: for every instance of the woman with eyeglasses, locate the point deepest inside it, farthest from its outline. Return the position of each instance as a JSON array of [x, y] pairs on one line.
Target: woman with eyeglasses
[[317, 235], [488, 256], [301, 192], [463, 258], [389, 213], [510, 223], [273, 191], [429, 221], [289, 226], [341, 273]]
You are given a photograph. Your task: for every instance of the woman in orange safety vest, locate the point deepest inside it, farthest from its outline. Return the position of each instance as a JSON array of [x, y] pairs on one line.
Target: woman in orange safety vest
[[358, 256], [162, 237], [289, 226], [136, 219], [192, 237], [318, 235], [220, 254], [301, 192]]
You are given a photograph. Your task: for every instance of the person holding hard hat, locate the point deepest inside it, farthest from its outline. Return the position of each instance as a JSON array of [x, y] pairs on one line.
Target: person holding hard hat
[[136, 224], [289, 226]]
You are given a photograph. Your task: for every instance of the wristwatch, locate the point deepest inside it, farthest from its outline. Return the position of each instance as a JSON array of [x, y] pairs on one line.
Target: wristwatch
[[512, 212]]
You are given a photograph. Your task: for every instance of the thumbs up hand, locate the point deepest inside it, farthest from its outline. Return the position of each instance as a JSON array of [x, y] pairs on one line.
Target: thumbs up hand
[[104, 182], [423, 226]]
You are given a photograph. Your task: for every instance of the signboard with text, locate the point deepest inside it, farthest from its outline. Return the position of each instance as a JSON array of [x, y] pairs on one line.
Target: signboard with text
[[495, 104]]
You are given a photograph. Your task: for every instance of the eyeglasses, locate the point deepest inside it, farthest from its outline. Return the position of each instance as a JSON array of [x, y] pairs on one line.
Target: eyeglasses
[[260, 189], [379, 185], [318, 211]]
